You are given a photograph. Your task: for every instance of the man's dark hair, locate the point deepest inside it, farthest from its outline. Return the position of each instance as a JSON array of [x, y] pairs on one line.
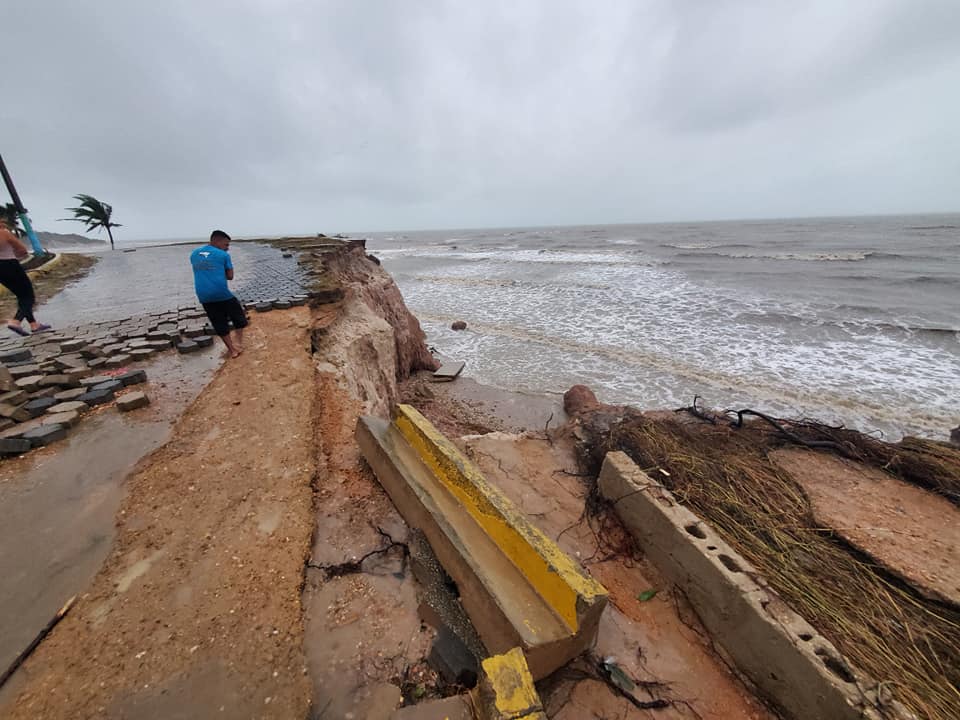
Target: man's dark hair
[[219, 235]]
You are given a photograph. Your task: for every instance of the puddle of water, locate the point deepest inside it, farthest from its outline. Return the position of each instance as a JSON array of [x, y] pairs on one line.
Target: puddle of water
[[59, 503]]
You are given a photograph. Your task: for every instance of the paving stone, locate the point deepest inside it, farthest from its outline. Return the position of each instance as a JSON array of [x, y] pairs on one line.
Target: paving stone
[[20, 428], [43, 392], [29, 383], [14, 397], [96, 397], [14, 446], [90, 352], [142, 353], [117, 360], [67, 419], [132, 401], [45, 435], [203, 340], [94, 380], [17, 413], [187, 346], [60, 380], [161, 344], [115, 348], [69, 406], [97, 363], [192, 332], [134, 377], [282, 305], [6, 423], [19, 355], [70, 362], [138, 343], [71, 394], [70, 346], [112, 385], [6, 379], [79, 373], [20, 371], [157, 335], [38, 407], [263, 306], [298, 300]]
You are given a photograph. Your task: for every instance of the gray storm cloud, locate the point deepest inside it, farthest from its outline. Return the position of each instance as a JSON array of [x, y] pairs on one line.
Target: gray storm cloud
[[267, 116]]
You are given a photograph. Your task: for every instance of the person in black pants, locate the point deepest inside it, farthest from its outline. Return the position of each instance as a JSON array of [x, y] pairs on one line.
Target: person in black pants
[[15, 279]]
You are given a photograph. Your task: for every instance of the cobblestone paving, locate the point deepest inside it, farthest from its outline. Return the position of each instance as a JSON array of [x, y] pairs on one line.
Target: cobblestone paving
[[151, 280]]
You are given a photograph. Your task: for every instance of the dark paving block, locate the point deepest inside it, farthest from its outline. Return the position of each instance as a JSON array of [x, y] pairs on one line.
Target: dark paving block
[[263, 306], [96, 397], [132, 401], [14, 446], [187, 346], [203, 340], [134, 377], [38, 407], [451, 658], [19, 355], [111, 385], [94, 380], [282, 305], [45, 434]]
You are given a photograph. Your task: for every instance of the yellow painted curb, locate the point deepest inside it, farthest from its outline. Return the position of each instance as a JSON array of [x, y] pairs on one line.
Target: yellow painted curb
[[507, 691], [561, 583]]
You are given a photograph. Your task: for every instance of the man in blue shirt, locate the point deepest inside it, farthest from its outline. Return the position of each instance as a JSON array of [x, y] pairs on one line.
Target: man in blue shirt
[[212, 268]]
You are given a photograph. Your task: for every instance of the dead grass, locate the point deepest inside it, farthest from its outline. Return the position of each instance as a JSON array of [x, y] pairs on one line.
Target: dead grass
[[910, 644]]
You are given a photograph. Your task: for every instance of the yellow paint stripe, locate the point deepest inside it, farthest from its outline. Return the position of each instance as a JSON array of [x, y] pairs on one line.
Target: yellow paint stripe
[[554, 575], [514, 694]]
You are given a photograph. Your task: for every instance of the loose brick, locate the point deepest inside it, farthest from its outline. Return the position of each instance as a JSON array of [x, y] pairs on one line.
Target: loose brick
[[134, 377], [71, 394], [96, 397], [17, 413], [132, 401], [60, 380], [77, 406], [187, 346], [45, 435], [14, 446], [112, 385], [67, 419], [29, 383], [38, 407]]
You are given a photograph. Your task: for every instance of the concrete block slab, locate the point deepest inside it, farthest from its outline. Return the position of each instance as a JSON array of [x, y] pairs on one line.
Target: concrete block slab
[[132, 401], [203, 340], [797, 669], [24, 370], [17, 413], [67, 395], [29, 383], [142, 353], [187, 346], [448, 372], [18, 355], [14, 446], [6, 379], [72, 346], [282, 305], [94, 380], [38, 407], [14, 397], [67, 419], [118, 360], [63, 381], [68, 406], [112, 385], [133, 377], [45, 435], [96, 397]]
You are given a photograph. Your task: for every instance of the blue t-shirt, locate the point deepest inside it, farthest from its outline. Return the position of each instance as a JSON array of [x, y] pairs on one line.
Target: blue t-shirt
[[210, 267]]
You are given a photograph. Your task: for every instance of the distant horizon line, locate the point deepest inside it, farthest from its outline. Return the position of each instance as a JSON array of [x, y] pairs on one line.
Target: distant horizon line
[[247, 236]]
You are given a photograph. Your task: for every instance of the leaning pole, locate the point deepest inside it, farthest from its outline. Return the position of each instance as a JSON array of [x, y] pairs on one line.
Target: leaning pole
[[21, 210]]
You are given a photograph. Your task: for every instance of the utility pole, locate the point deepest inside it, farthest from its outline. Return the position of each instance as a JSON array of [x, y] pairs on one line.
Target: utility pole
[[21, 210]]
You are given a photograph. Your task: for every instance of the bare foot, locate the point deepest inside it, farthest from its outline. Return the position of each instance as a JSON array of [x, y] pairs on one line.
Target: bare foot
[[236, 353]]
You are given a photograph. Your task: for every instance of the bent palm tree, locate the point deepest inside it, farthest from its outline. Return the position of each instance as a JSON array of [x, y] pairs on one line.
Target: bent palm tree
[[94, 214]]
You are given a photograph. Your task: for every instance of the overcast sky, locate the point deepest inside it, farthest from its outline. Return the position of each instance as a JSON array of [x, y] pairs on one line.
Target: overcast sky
[[275, 116]]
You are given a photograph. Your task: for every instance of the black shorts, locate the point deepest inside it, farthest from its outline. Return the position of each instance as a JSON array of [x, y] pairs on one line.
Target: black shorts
[[224, 313]]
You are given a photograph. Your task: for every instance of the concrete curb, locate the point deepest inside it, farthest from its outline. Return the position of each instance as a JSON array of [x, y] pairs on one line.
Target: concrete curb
[[794, 667], [516, 585]]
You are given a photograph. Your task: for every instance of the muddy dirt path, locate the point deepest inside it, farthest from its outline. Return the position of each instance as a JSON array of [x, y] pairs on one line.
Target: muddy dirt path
[[196, 612]]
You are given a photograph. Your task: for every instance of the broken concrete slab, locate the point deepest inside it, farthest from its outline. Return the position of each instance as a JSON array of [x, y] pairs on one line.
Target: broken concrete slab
[[67, 419], [45, 435], [71, 394], [69, 406], [517, 586], [133, 377], [96, 397], [797, 669], [14, 446], [17, 413], [448, 371], [38, 407], [132, 401]]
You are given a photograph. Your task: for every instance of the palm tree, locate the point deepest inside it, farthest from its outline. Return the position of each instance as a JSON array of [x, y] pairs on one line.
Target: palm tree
[[94, 213], [11, 218]]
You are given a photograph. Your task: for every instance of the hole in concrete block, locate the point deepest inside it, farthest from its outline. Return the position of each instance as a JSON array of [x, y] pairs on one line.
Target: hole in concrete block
[[729, 563], [711, 547], [806, 637], [696, 531], [835, 665]]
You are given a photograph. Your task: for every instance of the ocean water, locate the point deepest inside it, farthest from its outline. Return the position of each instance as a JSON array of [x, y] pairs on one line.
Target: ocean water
[[848, 320]]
